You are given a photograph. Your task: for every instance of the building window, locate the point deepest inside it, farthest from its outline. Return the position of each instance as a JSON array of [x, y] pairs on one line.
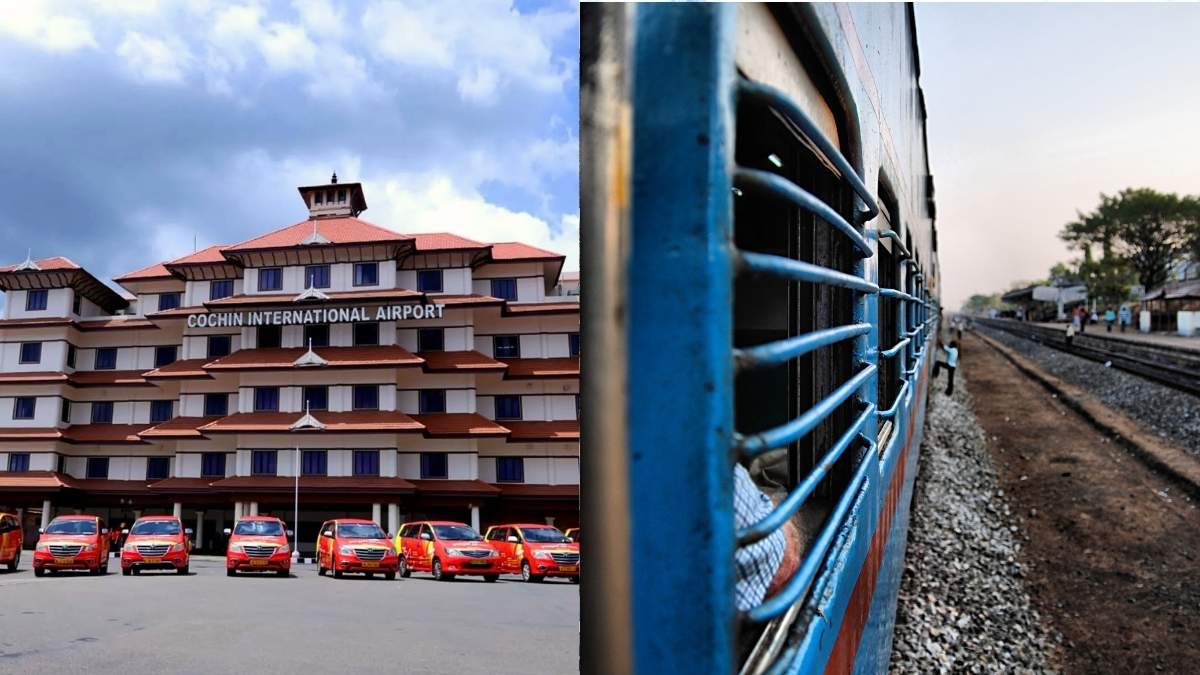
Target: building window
[[212, 464], [313, 463], [366, 462], [366, 274], [506, 346], [266, 399], [508, 407], [316, 335], [318, 198], [270, 279], [219, 345], [158, 468], [316, 398], [505, 289], [316, 276], [510, 469], [24, 407], [269, 337], [216, 405], [341, 196], [366, 333], [221, 288], [160, 411], [97, 467], [102, 412], [76, 304], [31, 352], [18, 461], [264, 462], [169, 301], [431, 340], [70, 356], [64, 412], [366, 397], [434, 465], [573, 342], [35, 301], [429, 281], [165, 355], [106, 358], [431, 401]]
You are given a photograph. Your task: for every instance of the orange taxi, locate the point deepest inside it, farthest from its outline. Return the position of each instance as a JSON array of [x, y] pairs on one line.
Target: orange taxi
[[72, 543], [12, 540], [535, 551], [445, 549], [355, 545], [156, 542], [258, 544]]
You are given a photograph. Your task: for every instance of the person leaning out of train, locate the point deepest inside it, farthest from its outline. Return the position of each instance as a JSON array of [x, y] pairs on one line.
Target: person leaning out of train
[[761, 568], [950, 364], [1109, 317]]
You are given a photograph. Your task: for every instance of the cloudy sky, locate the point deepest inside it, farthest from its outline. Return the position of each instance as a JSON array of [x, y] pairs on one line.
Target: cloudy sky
[[132, 128], [1034, 110]]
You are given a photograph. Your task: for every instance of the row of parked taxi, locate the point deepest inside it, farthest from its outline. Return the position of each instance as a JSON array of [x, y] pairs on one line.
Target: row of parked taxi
[[345, 545]]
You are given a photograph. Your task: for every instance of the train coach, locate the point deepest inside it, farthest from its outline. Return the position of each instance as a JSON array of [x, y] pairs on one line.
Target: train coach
[[759, 238]]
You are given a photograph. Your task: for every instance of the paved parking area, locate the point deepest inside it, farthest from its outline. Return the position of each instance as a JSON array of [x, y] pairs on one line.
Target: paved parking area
[[206, 622]]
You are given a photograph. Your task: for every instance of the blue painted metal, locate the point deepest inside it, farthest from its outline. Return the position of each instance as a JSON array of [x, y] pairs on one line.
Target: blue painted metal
[[901, 398], [889, 353], [755, 444], [781, 351], [797, 270], [774, 184], [899, 243], [898, 295], [680, 338]]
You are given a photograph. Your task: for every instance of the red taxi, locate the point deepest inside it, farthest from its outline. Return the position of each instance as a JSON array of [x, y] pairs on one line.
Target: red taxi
[[72, 543], [535, 551], [156, 542], [355, 545], [12, 540], [572, 533], [445, 549], [258, 544]]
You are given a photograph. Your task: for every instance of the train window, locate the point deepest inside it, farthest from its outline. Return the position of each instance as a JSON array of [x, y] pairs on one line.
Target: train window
[[889, 309]]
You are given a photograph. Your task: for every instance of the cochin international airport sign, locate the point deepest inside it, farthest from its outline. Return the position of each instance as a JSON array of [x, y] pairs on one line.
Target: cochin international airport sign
[[293, 317]]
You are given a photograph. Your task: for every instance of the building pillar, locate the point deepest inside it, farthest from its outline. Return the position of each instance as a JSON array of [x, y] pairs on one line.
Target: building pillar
[[393, 523], [237, 511], [220, 531], [254, 508], [45, 513], [377, 512], [137, 513], [475, 516], [550, 521], [199, 529], [178, 510]]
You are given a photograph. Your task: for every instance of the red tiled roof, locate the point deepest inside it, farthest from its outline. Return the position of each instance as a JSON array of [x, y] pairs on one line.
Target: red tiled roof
[[332, 484], [534, 490], [560, 430], [459, 425], [108, 378], [178, 370], [454, 487], [110, 486], [378, 356], [523, 369], [30, 434], [338, 230], [155, 271], [466, 300], [179, 427], [379, 421], [38, 377], [459, 362], [170, 485], [35, 323], [444, 241], [209, 255], [104, 433], [31, 480], [47, 264], [515, 251], [532, 308], [289, 298], [114, 324]]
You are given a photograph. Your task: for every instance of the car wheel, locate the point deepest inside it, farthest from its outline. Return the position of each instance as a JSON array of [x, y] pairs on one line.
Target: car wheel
[[230, 572], [125, 571], [337, 574], [12, 564], [95, 571], [490, 577], [283, 573], [137, 571], [390, 576], [527, 574], [182, 570], [104, 567], [575, 579], [320, 566], [405, 571], [437, 570], [37, 571]]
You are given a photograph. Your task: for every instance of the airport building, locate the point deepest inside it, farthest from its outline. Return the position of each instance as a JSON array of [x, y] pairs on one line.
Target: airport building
[[402, 376]]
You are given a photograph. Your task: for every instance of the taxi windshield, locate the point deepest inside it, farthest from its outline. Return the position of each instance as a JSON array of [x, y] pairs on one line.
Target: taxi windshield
[[361, 531], [456, 533], [268, 528], [72, 527], [543, 535], [155, 527]]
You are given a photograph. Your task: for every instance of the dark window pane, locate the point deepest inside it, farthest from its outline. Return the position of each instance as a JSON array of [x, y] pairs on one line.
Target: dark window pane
[[31, 352], [317, 398], [76, 303], [507, 346], [573, 339], [366, 333], [221, 288], [24, 407], [429, 281], [264, 462], [508, 407], [432, 400], [35, 301], [510, 469], [270, 279], [18, 461], [266, 399], [270, 337], [366, 462], [430, 340], [316, 276], [168, 301], [317, 335], [216, 404], [212, 464], [65, 412], [97, 467], [106, 358], [366, 274], [313, 463], [219, 345], [102, 412], [366, 397], [158, 468], [160, 411], [165, 355], [505, 289], [433, 465], [70, 356]]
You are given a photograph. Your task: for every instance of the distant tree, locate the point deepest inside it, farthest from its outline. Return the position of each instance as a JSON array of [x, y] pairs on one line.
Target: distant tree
[[1063, 273], [981, 303], [1108, 280]]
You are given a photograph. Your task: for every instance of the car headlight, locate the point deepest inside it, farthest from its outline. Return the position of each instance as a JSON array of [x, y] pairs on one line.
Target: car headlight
[[43, 547], [284, 549], [177, 547], [454, 551], [541, 554], [235, 548], [131, 548], [346, 550], [89, 548], [492, 554]]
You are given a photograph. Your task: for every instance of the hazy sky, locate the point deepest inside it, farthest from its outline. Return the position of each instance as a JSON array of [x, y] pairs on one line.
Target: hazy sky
[[128, 127], [1036, 109]]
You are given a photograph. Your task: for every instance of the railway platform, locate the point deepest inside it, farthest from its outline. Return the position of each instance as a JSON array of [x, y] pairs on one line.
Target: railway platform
[[1130, 335]]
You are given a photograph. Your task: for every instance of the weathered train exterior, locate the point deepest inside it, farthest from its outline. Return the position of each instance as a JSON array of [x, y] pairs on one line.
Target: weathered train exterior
[[760, 246]]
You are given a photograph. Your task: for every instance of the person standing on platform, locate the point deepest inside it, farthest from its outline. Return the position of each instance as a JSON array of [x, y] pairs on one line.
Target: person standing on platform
[[1070, 333], [1080, 318], [1126, 316], [1109, 317], [950, 364]]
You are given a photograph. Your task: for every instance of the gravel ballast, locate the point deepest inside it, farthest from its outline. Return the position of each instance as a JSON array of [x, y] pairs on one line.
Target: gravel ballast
[[963, 606], [1172, 414]]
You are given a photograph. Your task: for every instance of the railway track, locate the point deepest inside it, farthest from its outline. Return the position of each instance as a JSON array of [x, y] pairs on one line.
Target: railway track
[[1176, 368]]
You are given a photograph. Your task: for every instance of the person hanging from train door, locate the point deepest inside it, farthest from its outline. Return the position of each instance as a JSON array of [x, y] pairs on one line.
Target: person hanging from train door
[[950, 364]]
